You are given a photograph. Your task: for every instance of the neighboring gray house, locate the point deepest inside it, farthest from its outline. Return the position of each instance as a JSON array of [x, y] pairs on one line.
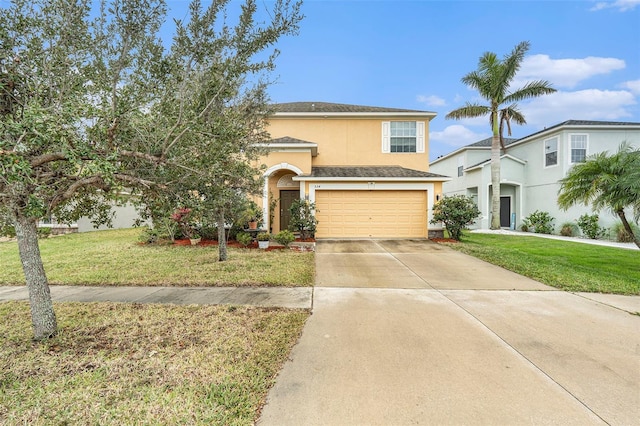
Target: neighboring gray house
[[531, 168]]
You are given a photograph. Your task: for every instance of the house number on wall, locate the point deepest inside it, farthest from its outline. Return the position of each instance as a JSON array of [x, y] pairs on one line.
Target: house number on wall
[[317, 186]]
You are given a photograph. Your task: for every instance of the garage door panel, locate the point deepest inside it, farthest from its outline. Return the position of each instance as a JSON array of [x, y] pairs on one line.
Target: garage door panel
[[352, 214]]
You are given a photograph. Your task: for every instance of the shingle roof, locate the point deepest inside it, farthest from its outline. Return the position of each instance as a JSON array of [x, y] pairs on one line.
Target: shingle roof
[[582, 123], [289, 139], [487, 142], [329, 107], [369, 172]]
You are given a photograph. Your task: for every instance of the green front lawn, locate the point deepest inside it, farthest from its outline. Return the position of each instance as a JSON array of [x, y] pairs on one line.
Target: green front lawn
[[115, 258], [143, 364], [567, 265]]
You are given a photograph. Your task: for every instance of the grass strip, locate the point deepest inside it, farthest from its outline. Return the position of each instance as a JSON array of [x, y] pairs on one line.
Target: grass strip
[[115, 258], [143, 364], [566, 265]]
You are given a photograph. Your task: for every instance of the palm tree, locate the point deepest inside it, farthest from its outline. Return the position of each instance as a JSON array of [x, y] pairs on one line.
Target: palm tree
[[606, 181], [492, 80]]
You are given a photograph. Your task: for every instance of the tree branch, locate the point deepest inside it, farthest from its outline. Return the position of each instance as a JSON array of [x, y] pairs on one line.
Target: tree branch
[[47, 158], [142, 156], [96, 181], [138, 181]]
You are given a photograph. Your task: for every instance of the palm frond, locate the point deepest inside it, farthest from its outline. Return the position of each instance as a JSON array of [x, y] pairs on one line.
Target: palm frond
[[532, 89], [511, 63], [468, 111]]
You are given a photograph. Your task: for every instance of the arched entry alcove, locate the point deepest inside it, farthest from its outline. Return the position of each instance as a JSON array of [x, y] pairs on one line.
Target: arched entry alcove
[[279, 192]]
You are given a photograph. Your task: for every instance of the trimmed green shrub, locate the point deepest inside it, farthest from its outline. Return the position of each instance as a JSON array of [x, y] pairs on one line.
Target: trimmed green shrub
[[539, 222], [285, 237], [589, 226], [243, 238], [149, 235]]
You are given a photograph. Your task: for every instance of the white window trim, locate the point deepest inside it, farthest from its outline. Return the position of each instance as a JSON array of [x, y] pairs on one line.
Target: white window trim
[[420, 138], [570, 147], [544, 152]]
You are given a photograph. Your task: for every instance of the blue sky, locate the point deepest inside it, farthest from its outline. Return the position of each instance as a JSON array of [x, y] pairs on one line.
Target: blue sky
[[412, 54]]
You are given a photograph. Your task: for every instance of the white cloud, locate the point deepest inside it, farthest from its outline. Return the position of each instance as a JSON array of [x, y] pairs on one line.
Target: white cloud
[[457, 135], [431, 100], [566, 73], [591, 104], [633, 86], [621, 5]]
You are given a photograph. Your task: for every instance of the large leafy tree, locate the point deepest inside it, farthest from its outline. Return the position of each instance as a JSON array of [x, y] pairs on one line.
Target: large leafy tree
[[493, 80], [606, 182], [91, 104]]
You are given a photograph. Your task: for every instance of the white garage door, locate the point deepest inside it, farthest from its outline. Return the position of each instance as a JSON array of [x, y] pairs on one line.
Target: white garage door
[[377, 214]]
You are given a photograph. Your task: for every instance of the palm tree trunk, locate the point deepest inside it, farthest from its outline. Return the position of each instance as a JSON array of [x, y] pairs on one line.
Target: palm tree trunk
[[495, 174], [43, 318], [222, 240], [627, 227]]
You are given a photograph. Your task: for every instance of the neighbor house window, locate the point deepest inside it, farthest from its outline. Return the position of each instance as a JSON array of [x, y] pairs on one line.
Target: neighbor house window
[[403, 136], [460, 166], [551, 152], [578, 148]]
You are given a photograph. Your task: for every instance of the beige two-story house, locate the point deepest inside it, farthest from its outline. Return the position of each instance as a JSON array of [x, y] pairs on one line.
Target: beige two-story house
[[365, 168]]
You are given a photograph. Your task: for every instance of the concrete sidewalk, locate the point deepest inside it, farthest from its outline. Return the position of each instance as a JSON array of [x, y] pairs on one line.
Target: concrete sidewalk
[[402, 344], [286, 297]]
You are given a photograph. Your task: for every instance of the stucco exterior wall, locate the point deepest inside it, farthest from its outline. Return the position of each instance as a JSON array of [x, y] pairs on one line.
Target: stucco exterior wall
[[350, 141], [539, 184], [300, 159]]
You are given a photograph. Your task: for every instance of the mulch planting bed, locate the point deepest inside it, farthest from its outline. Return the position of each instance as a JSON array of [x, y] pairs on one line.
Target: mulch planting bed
[[444, 240], [235, 244]]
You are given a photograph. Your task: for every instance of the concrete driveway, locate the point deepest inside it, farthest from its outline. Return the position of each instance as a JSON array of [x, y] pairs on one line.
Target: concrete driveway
[[410, 332]]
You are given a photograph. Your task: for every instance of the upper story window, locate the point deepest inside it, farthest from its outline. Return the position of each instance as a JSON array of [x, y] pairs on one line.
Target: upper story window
[[578, 148], [460, 166], [551, 152], [403, 136]]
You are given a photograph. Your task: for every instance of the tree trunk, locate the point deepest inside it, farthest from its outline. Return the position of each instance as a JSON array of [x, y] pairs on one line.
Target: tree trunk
[[43, 318], [495, 175], [222, 240], [627, 227]]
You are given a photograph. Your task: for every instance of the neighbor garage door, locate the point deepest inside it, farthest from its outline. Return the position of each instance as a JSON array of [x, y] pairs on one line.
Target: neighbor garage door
[[384, 214]]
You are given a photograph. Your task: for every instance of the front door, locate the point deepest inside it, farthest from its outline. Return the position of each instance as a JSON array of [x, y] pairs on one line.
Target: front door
[[286, 199], [505, 212]]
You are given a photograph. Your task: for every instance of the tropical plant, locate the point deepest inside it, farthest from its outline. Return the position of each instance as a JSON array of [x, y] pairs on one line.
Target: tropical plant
[[606, 181], [618, 233], [285, 237], [302, 218], [589, 226], [493, 80], [456, 212]]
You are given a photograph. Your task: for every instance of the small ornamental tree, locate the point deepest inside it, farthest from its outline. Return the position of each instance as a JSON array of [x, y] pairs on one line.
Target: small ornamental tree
[[303, 219], [456, 213]]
